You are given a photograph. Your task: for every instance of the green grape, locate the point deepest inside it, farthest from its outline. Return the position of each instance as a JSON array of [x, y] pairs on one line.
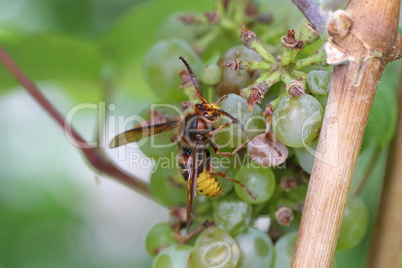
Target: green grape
[[226, 185], [354, 224], [162, 66], [168, 186], [233, 82], [319, 82], [256, 249], [173, 27], [225, 164], [254, 122], [284, 248], [175, 256], [214, 248], [323, 99], [232, 215], [306, 155], [158, 237], [297, 121], [211, 74], [259, 180]]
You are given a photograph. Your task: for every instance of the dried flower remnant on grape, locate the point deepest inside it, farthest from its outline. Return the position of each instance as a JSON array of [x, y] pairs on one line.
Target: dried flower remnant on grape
[[295, 89], [288, 183], [266, 149], [284, 216]]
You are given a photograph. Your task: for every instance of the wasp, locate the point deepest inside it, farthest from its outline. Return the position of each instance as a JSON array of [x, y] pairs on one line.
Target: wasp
[[194, 136]]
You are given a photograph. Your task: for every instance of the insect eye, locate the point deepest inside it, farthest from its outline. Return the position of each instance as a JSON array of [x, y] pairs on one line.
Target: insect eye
[[211, 115]]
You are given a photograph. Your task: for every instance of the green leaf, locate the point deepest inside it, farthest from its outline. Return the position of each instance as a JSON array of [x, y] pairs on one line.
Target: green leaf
[[383, 116]]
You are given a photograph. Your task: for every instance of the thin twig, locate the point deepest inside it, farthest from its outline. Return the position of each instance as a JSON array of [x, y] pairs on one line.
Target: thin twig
[[387, 239], [313, 13], [95, 156], [371, 164]]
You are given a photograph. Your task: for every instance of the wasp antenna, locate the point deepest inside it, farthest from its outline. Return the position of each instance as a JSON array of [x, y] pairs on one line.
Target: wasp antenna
[[234, 120], [197, 88]]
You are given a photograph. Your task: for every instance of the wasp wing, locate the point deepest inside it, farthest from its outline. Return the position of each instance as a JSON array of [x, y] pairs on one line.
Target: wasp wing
[[137, 134], [191, 186]]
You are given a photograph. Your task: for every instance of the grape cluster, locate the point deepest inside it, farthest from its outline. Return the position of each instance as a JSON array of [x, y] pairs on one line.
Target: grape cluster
[[280, 100]]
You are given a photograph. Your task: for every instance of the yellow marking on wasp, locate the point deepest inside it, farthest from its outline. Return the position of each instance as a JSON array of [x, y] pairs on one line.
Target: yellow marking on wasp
[[208, 185]]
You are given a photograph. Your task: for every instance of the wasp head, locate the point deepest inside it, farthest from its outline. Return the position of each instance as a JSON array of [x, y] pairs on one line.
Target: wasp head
[[208, 110]]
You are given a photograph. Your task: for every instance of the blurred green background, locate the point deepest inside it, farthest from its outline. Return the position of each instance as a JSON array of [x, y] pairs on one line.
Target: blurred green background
[[55, 211]]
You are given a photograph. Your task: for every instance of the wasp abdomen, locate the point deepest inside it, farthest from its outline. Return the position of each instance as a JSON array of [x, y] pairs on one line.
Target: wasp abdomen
[[208, 185]]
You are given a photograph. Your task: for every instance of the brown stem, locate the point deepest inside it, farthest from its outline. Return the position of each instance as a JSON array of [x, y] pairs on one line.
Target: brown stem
[[387, 241], [94, 156], [352, 91], [313, 13]]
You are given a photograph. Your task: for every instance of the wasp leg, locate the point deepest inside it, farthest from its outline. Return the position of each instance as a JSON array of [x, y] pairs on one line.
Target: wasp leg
[[208, 161], [183, 239], [223, 174], [224, 97], [216, 149]]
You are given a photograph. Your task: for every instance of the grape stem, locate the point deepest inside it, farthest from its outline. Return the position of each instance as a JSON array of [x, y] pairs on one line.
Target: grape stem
[[318, 58], [313, 13], [353, 86], [95, 156], [276, 101]]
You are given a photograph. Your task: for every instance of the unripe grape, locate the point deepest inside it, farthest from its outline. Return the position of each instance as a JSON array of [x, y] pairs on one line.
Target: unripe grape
[[323, 99], [297, 121], [211, 74], [158, 237], [168, 186], [162, 67], [214, 248], [284, 248], [254, 122], [173, 27], [259, 180], [175, 256], [319, 82], [233, 81], [306, 155], [232, 215], [256, 249], [354, 224]]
